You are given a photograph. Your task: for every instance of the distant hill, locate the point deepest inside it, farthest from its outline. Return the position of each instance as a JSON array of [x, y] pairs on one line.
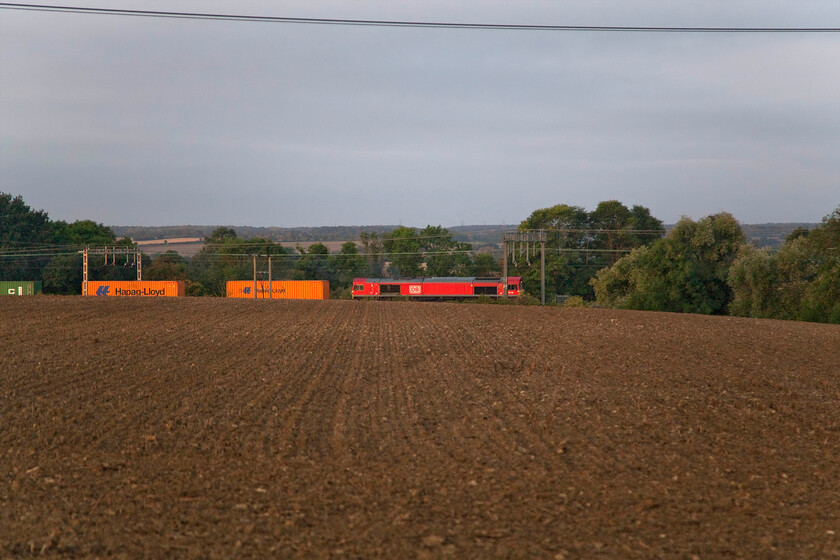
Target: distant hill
[[762, 235], [325, 233], [771, 235]]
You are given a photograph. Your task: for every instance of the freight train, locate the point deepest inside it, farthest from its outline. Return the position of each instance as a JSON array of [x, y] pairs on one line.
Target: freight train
[[435, 287]]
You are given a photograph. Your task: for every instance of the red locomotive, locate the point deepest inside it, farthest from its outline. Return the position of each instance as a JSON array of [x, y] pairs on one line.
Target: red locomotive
[[436, 287]]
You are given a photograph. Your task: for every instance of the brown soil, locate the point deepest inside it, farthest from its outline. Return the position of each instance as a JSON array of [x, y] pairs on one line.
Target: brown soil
[[212, 428]]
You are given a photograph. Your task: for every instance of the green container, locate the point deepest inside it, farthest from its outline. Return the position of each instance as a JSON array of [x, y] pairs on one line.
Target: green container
[[19, 288]]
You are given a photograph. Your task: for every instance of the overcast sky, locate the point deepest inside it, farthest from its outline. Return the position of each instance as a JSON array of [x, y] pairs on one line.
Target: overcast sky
[[137, 121]]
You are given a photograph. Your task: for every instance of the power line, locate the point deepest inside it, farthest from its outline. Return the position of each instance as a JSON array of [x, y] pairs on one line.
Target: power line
[[410, 24]]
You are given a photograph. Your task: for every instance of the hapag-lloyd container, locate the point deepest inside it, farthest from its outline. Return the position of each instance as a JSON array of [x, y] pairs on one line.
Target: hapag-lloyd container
[[134, 288], [19, 288], [280, 289]]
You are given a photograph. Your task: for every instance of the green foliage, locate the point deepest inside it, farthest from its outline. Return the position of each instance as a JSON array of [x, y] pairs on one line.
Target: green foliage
[[797, 233], [313, 263], [614, 286], [373, 247], [575, 301], [485, 265], [800, 282], [443, 255], [194, 289], [558, 217], [576, 250], [685, 272], [228, 257], [20, 228], [168, 266], [700, 267], [345, 266], [20, 224], [85, 232], [36, 248], [821, 302], [402, 248], [751, 279], [63, 275], [524, 299], [221, 235], [429, 252]]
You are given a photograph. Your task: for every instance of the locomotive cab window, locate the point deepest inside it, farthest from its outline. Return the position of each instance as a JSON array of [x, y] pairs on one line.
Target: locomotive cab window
[[359, 287], [512, 287]]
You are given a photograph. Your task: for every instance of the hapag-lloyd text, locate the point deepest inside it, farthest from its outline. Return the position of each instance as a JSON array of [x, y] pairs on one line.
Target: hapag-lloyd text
[[143, 292]]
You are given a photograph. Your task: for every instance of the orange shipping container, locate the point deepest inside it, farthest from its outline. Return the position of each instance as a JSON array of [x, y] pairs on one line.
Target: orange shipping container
[[280, 289], [163, 288]]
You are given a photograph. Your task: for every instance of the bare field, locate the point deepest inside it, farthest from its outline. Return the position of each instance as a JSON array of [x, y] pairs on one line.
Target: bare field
[[212, 428]]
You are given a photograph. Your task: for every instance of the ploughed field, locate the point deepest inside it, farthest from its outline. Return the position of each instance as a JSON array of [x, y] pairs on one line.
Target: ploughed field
[[178, 428]]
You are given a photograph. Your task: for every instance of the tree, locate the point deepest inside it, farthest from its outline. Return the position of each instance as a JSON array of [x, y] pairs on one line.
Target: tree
[[347, 264], [797, 233], [225, 256], [22, 230], [221, 235], [402, 248], [751, 278], [372, 245], [684, 272], [313, 264], [443, 255], [799, 282], [167, 266], [85, 232], [611, 217], [567, 225], [21, 224], [64, 273], [558, 217], [822, 298], [485, 265], [580, 243]]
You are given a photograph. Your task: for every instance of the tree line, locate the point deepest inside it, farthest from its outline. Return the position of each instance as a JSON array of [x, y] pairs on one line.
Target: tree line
[[705, 266], [612, 256], [33, 247]]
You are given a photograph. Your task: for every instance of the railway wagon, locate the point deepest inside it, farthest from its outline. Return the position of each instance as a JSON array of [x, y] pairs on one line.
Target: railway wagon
[[435, 287], [20, 288], [279, 289], [135, 288]]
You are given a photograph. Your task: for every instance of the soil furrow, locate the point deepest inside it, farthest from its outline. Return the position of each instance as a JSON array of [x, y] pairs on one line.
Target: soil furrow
[[199, 428]]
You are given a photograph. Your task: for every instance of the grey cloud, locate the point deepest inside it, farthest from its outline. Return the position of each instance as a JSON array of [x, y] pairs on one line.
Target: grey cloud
[[170, 121]]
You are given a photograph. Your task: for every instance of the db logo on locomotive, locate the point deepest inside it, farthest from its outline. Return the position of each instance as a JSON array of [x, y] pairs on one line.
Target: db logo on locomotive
[[414, 289]]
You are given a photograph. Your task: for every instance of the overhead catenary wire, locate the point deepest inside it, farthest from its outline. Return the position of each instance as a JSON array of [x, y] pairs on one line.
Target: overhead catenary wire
[[405, 23], [46, 249]]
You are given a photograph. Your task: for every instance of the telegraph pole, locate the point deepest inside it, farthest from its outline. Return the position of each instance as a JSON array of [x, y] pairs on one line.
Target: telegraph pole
[[85, 271], [504, 266], [542, 271]]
